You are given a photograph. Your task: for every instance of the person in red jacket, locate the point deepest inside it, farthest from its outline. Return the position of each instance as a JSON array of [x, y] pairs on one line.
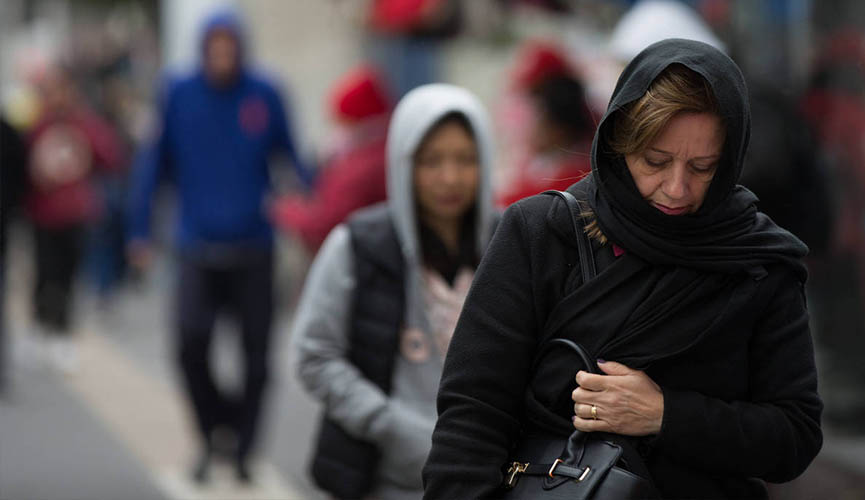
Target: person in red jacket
[[552, 152], [67, 144], [353, 176]]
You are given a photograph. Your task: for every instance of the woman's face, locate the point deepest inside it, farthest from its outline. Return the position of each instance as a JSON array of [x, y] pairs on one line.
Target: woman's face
[[446, 172], [674, 172]]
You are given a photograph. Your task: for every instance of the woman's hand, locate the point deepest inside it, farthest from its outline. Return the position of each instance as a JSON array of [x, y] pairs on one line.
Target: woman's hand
[[626, 401]]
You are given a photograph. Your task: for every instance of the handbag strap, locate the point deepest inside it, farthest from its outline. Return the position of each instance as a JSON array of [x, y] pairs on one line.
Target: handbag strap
[[587, 268], [579, 222], [586, 256], [570, 344]]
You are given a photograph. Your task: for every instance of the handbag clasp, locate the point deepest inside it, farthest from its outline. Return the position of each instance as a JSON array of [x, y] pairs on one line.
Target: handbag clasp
[[513, 470]]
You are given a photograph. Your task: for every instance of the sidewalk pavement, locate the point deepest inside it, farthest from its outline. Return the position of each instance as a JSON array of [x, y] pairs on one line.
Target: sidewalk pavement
[[118, 427]]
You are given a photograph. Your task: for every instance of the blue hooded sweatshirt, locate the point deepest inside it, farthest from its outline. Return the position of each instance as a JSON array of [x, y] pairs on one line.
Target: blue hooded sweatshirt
[[214, 144]]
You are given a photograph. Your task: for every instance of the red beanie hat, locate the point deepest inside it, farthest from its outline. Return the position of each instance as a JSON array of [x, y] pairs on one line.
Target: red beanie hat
[[538, 61], [359, 94]]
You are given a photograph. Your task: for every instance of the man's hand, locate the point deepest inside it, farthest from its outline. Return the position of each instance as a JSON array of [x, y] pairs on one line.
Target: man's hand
[[140, 255]]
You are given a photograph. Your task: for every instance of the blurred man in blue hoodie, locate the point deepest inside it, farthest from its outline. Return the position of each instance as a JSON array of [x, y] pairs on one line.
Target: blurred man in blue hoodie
[[219, 127]]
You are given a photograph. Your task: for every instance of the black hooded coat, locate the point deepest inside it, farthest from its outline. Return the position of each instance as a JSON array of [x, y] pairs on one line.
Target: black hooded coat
[[711, 305]]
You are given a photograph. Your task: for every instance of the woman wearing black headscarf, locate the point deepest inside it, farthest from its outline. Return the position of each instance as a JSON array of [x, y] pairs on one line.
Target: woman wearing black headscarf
[[698, 306]]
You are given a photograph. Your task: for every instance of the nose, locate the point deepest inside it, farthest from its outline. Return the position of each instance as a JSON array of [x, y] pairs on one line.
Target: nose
[[450, 172], [676, 183]]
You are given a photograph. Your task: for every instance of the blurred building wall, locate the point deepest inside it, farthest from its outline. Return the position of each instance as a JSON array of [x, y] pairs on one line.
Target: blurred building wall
[[306, 46]]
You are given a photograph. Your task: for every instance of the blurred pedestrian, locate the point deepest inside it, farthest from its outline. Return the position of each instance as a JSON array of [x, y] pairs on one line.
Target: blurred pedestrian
[[383, 295], [834, 105], [406, 39], [107, 240], [13, 168], [353, 174], [556, 144], [218, 129], [68, 146], [13, 178], [785, 169]]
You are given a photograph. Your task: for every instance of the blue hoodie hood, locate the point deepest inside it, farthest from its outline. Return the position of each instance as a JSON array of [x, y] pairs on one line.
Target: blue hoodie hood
[[228, 20]]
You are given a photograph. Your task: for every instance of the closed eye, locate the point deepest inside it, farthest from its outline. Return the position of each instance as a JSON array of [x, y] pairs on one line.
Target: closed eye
[[656, 163], [704, 169]]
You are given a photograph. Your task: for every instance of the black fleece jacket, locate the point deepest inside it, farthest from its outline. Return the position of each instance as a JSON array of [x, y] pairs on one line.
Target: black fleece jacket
[[743, 404]]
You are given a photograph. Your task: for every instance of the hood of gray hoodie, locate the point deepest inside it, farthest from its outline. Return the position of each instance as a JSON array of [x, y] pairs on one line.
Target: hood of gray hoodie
[[414, 116]]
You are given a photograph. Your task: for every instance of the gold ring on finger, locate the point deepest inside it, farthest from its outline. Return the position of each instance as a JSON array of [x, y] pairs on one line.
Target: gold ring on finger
[[594, 412]]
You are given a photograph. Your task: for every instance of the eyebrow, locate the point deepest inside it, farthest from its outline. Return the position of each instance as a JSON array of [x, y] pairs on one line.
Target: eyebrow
[[709, 157]]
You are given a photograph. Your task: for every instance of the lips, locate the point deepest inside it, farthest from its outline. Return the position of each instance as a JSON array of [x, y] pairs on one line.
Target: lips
[[449, 200], [670, 210]]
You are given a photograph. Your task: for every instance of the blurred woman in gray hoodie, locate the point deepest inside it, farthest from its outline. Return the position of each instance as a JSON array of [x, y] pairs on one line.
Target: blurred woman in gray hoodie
[[383, 296]]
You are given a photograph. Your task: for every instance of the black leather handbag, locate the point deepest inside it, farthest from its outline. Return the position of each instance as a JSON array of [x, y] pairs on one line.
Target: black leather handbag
[[596, 466]]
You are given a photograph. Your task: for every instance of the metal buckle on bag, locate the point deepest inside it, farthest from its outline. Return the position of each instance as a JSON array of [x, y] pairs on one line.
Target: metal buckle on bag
[[513, 470], [558, 461], [585, 474], [553, 468]]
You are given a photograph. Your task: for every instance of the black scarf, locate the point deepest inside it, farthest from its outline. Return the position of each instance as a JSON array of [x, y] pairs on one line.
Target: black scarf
[[436, 254], [727, 234]]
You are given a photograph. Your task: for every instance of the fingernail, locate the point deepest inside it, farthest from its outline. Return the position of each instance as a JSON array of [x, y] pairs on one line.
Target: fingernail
[[601, 361], [574, 418]]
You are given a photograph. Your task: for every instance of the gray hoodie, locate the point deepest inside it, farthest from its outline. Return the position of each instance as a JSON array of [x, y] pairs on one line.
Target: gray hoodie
[[400, 423]]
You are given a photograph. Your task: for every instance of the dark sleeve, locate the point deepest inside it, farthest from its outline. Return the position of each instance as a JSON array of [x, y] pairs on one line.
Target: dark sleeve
[[13, 166], [485, 372], [776, 433]]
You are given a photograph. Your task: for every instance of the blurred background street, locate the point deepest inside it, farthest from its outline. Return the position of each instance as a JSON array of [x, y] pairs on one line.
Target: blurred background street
[[118, 428], [112, 421]]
